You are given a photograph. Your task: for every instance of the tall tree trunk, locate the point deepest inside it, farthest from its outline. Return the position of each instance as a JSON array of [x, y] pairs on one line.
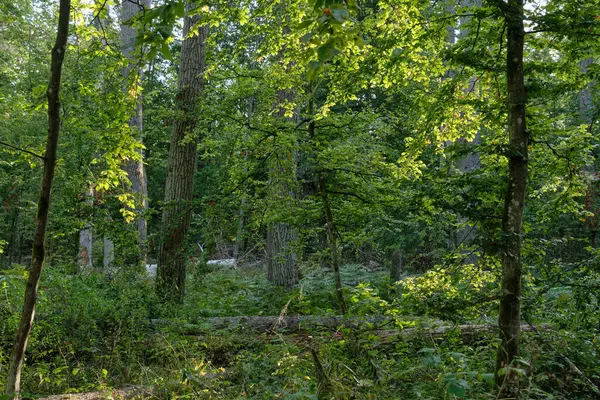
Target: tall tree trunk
[[133, 75], [239, 234], [585, 108], [13, 385], [466, 232], [239, 240], [397, 265], [282, 260], [108, 246], [329, 222], [510, 302], [333, 245], [86, 236], [170, 282], [585, 97], [108, 250], [282, 256]]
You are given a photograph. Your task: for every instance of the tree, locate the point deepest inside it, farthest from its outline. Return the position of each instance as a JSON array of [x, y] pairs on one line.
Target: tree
[[509, 320], [170, 283], [85, 259], [132, 72], [330, 229], [282, 255], [13, 385]]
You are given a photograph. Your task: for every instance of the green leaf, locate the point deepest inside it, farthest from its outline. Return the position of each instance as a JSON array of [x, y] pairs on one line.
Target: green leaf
[[165, 51], [426, 350], [179, 9], [305, 24], [326, 52], [397, 53], [458, 388], [152, 53], [313, 69], [486, 377], [359, 41], [340, 15], [306, 38]]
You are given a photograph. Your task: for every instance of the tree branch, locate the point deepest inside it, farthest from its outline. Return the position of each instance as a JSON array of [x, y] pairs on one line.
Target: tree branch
[[349, 194], [23, 150]]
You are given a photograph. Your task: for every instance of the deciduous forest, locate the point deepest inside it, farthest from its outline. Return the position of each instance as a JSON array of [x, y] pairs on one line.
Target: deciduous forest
[[300, 199]]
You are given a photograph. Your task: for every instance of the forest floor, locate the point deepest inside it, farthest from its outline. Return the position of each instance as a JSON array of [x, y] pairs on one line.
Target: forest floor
[[406, 341]]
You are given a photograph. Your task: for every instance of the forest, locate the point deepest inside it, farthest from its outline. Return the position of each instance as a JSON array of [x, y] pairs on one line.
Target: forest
[[299, 199]]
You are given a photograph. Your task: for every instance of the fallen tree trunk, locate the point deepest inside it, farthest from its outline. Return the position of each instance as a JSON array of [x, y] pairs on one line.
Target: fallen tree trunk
[[132, 392], [292, 323], [468, 333], [375, 325], [272, 323]]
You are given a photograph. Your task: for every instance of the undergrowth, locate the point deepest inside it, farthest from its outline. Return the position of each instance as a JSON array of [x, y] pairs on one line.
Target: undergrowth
[[94, 332]]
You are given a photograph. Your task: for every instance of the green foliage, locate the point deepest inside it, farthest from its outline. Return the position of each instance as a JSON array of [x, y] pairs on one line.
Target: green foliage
[[95, 332], [408, 131], [460, 295]]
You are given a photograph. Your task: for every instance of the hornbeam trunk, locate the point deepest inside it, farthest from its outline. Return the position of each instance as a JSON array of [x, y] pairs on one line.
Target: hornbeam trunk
[[13, 385], [510, 303], [170, 282]]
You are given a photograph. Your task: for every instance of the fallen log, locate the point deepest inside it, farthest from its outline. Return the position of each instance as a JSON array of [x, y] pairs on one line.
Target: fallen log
[[372, 325], [272, 323], [468, 332], [132, 392], [292, 323]]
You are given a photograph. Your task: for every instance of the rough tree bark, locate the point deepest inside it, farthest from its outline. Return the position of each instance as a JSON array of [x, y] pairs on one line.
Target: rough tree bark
[[13, 385], [133, 75], [282, 257], [170, 282], [510, 302], [282, 261]]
